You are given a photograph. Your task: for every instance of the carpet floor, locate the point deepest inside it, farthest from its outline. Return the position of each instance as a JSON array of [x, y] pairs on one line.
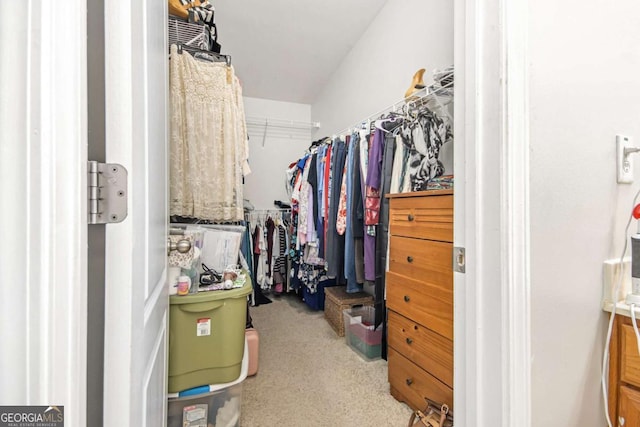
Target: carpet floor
[[308, 376]]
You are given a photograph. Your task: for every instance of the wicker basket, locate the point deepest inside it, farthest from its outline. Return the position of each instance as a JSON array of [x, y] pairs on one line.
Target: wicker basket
[[337, 300]]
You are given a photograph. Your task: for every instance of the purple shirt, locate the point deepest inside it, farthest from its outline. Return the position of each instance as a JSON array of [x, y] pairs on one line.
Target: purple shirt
[[374, 174], [374, 171]]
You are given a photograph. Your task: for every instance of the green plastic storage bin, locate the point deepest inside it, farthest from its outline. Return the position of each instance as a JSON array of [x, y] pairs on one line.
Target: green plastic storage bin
[[206, 337]]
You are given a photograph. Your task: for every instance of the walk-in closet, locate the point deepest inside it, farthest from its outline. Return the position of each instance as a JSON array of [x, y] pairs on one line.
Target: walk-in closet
[[319, 213], [311, 160]]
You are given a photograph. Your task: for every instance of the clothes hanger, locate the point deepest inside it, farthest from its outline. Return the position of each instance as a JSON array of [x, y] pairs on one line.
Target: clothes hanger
[[314, 146], [204, 54], [391, 117]]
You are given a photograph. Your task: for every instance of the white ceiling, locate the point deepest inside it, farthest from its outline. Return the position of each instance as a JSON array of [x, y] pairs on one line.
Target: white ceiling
[[286, 50]]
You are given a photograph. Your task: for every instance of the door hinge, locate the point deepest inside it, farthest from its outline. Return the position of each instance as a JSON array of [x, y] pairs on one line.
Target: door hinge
[[459, 260], [106, 192]]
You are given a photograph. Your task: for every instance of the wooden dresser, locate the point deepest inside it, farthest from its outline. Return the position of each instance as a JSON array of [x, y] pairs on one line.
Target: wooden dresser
[[624, 374], [420, 297]]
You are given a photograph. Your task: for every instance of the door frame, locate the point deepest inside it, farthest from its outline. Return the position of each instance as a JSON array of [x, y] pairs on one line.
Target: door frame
[[492, 301], [492, 329], [43, 169]]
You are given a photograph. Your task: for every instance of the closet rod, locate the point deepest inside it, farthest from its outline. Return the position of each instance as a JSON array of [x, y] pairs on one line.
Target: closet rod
[[418, 97], [268, 210]]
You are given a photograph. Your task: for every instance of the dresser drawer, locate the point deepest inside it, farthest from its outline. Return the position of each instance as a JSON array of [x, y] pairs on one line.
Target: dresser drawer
[[422, 259], [629, 360], [629, 411], [414, 384], [425, 348], [428, 217], [426, 303]]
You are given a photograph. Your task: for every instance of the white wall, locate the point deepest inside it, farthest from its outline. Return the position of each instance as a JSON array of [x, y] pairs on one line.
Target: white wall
[[405, 36], [585, 88], [282, 146]]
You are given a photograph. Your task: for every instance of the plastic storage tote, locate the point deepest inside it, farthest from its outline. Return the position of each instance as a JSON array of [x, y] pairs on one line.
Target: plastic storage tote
[[218, 405], [360, 332], [206, 337]]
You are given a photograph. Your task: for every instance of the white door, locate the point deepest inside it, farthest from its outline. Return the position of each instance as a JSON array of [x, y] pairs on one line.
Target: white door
[[136, 298]]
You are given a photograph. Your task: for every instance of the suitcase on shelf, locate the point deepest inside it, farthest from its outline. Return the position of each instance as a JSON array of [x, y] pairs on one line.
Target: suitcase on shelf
[[253, 344]]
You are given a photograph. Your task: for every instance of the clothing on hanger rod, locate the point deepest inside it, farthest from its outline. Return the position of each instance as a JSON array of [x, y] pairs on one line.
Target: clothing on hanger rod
[[422, 98], [389, 122], [318, 142]]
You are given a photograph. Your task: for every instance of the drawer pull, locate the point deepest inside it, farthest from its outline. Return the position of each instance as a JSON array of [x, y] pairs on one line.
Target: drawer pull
[[409, 381], [410, 217], [409, 341], [409, 259], [406, 298]]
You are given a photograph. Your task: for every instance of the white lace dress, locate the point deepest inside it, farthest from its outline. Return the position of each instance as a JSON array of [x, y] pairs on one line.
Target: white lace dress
[[208, 145]]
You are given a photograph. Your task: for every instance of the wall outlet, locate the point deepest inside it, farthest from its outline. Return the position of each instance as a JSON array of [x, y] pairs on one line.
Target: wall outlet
[[611, 276], [624, 164]]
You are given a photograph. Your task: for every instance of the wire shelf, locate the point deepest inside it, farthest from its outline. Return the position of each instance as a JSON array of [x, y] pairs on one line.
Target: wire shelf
[[435, 96], [281, 123], [189, 34], [280, 128]]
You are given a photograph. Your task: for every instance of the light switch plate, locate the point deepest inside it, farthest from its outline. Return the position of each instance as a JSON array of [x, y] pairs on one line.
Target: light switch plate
[[624, 166]]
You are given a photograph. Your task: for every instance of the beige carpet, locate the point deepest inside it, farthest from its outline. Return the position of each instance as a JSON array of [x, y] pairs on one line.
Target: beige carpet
[[308, 376]]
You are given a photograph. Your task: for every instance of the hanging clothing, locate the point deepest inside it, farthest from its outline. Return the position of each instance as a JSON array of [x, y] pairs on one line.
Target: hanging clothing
[[364, 151], [382, 239], [294, 253], [335, 241], [289, 179], [280, 264], [400, 179], [303, 209], [312, 178], [297, 180], [311, 275], [327, 187], [208, 144], [320, 196], [341, 217], [270, 229], [257, 296], [372, 204], [312, 237], [350, 251], [383, 226], [430, 132], [357, 213], [263, 275]]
